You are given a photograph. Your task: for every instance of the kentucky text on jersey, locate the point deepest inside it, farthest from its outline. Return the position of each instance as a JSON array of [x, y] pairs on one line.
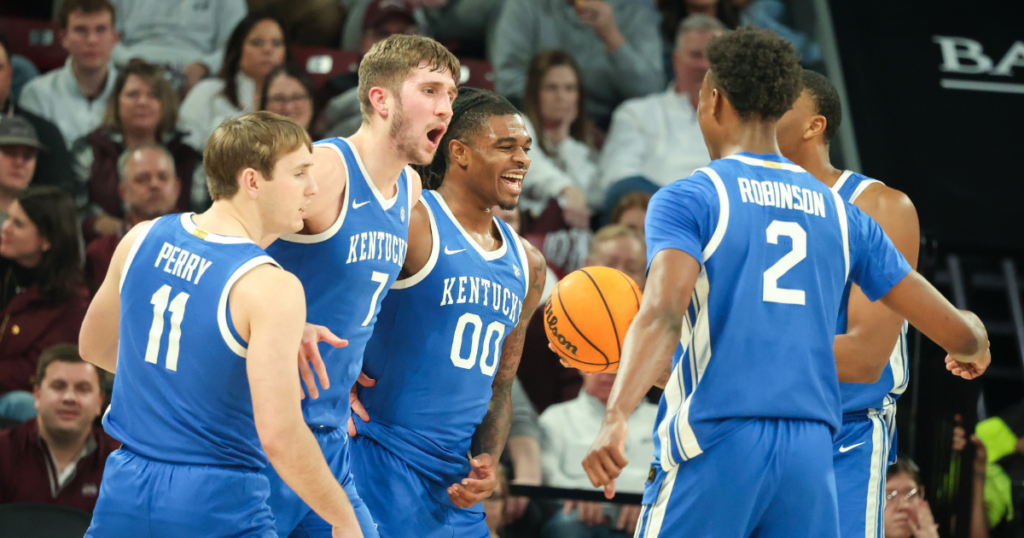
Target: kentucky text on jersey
[[782, 196], [376, 246], [500, 298], [182, 263]]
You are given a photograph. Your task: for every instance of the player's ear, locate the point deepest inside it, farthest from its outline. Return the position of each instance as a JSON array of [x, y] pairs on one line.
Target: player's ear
[[458, 152], [717, 104], [379, 101], [248, 182], [816, 127]]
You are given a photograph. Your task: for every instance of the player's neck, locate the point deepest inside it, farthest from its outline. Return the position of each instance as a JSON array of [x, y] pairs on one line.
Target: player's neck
[[234, 220], [380, 157], [750, 137], [815, 160], [473, 214]]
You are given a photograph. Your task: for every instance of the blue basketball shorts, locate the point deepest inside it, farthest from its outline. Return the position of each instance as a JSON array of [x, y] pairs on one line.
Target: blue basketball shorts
[[294, 517], [140, 497], [860, 457], [399, 498], [768, 478]]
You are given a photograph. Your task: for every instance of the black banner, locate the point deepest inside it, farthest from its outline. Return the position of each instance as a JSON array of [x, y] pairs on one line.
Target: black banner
[[936, 90]]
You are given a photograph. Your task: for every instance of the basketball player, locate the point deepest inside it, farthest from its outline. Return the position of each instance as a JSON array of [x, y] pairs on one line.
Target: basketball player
[[450, 335], [873, 372], [354, 241], [200, 387], [748, 261]]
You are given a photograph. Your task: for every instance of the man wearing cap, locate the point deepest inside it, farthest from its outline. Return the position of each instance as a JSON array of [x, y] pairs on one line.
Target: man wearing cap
[[19, 148], [55, 168]]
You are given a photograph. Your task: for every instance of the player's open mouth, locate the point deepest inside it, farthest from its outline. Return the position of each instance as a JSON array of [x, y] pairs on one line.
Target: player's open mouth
[[434, 135], [514, 181]]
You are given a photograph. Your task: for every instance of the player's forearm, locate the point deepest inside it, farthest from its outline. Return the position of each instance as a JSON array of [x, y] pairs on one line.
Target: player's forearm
[[492, 432], [960, 333], [297, 458], [646, 358]]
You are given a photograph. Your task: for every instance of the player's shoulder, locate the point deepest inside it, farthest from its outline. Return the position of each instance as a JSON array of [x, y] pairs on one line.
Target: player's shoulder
[[265, 283], [879, 201]]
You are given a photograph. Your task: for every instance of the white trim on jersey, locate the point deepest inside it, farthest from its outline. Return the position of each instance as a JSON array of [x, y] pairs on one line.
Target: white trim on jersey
[[674, 395], [135, 248], [489, 256], [408, 186], [842, 180], [657, 510], [524, 261], [190, 227], [328, 233], [876, 479], [723, 213], [766, 164], [435, 251], [860, 188], [844, 227], [222, 306], [385, 203], [898, 361]]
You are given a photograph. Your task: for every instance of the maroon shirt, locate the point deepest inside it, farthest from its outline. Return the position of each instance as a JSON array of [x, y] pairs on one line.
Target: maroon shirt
[[29, 475]]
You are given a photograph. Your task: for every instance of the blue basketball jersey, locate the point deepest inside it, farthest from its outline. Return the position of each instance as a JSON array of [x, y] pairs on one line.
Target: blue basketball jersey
[[181, 393], [884, 392], [437, 347], [346, 272], [776, 248]]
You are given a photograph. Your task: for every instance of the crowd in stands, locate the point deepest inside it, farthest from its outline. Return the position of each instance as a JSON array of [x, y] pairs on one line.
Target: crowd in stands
[[116, 136]]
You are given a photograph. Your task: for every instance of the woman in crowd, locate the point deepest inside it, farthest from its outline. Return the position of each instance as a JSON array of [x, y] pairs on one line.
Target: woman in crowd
[[143, 109], [565, 167], [42, 295], [907, 514], [255, 48], [289, 92], [631, 211]]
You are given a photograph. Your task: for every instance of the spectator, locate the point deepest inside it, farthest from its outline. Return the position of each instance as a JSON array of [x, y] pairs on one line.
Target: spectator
[[149, 189], [906, 512], [494, 506], [370, 21], [142, 110], [289, 92], [187, 38], [545, 381], [55, 167], [58, 458], [568, 431], [771, 15], [631, 211], [565, 167], [674, 11], [979, 515], [1002, 438], [656, 140], [41, 293], [615, 43], [523, 450], [383, 18], [255, 48], [314, 23], [19, 151], [467, 23], [74, 96], [22, 71]]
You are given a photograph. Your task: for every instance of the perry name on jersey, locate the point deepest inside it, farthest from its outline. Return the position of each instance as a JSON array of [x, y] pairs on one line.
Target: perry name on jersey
[[182, 263], [469, 292]]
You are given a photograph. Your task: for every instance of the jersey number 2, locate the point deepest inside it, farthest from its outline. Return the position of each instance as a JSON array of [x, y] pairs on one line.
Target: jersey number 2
[[772, 292], [156, 331]]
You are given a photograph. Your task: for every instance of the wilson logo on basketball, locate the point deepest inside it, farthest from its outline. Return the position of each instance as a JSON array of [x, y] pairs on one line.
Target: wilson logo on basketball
[[552, 320]]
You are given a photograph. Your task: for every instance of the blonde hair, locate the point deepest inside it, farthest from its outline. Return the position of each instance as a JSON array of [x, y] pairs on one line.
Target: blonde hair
[[615, 231], [389, 61], [256, 140]]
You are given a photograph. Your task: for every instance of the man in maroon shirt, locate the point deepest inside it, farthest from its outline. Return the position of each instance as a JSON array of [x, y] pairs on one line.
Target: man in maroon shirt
[[149, 188], [58, 457]]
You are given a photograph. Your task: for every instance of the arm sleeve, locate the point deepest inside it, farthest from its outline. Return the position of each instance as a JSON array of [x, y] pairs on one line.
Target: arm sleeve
[[875, 264], [524, 417], [638, 61], [512, 48], [625, 149], [682, 216], [231, 13]]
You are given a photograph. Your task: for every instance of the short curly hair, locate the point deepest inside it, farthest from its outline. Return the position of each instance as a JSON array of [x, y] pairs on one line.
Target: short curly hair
[[826, 101], [758, 71]]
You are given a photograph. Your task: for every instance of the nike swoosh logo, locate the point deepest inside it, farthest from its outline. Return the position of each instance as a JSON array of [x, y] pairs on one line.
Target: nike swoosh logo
[[446, 251], [357, 206], [843, 449]]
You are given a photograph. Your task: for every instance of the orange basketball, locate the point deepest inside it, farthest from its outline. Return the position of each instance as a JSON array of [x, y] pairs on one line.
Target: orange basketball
[[587, 316]]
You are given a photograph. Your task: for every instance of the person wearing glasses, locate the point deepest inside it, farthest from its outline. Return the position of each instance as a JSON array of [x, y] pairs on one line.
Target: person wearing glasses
[[289, 92], [907, 514]]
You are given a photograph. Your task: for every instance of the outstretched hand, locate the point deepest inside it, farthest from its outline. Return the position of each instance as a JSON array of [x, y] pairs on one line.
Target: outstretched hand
[[309, 352], [969, 370], [357, 406], [478, 485]]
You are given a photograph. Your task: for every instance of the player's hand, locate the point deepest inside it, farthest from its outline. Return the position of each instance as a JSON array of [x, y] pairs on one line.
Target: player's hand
[[970, 370], [357, 406], [589, 513], [922, 523], [562, 360], [628, 518], [309, 352], [607, 456], [478, 486]]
